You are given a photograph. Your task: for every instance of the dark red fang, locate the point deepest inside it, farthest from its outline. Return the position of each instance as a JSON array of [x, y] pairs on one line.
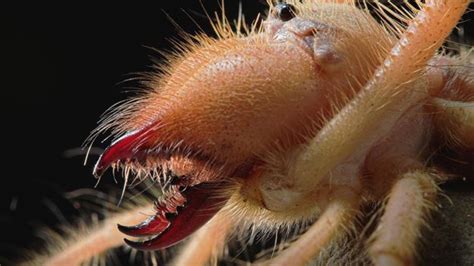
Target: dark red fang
[[158, 223], [202, 203], [152, 226], [122, 149]]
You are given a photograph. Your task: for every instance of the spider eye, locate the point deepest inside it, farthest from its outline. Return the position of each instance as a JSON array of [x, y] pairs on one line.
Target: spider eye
[[285, 11]]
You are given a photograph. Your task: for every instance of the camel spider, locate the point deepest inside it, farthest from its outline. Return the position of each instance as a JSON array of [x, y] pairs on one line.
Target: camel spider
[[287, 122]]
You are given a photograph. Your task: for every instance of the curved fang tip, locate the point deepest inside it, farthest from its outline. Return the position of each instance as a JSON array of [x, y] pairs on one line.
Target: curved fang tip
[[152, 226], [202, 203], [123, 148]]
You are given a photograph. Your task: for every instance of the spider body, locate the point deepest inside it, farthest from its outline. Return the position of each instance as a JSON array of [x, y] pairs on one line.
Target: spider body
[[257, 111], [318, 112]]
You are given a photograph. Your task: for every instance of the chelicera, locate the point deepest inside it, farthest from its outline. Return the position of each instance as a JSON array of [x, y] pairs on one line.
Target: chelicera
[[310, 116]]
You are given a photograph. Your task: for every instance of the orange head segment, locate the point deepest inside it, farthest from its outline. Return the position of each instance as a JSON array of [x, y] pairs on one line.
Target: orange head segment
[[224, 105]]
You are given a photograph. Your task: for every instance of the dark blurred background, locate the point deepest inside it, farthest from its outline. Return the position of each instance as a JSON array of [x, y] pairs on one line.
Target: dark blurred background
[[62, 66]]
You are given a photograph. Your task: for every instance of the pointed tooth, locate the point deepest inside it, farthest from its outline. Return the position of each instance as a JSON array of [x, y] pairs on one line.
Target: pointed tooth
[[202, 204], [125, 147], [152, 226]]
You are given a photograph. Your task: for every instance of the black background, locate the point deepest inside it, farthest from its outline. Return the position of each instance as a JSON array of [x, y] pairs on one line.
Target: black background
[[62, 66]]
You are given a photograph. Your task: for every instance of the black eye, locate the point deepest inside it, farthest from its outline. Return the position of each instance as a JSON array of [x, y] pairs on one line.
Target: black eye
[[285, 11]]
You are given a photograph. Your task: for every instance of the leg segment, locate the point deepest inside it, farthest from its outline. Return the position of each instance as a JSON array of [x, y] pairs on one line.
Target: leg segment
[[396, 86], [207, 243], [453, 105], [410, 202], [455, 121], [340, 211], [91, 244]]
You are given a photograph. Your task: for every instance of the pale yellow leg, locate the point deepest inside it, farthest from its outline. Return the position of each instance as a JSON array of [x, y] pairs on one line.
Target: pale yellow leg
[[205, 246], [339, 213], [91, 244], [410, 201], [455, 120], [397, 85]]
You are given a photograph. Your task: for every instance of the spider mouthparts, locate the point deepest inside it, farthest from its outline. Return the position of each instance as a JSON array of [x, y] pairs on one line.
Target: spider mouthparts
[[202, 202], [189, 201]]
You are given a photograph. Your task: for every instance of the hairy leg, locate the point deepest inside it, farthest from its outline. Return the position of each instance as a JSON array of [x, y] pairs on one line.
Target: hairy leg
[[410, 201], [453, 105], [104, 237], [207, 243], [397, 85], [338, 214], [455, 121]]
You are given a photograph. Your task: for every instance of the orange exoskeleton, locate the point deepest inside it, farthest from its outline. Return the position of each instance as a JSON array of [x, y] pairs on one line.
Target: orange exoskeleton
[[306, 117]]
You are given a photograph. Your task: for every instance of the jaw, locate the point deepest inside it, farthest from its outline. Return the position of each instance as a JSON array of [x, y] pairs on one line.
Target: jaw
[[194, 187], [177, 216], [219, 130]]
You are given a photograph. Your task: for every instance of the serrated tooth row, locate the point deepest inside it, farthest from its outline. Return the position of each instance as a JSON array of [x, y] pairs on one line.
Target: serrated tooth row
[[135, 172], [170, 200]]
